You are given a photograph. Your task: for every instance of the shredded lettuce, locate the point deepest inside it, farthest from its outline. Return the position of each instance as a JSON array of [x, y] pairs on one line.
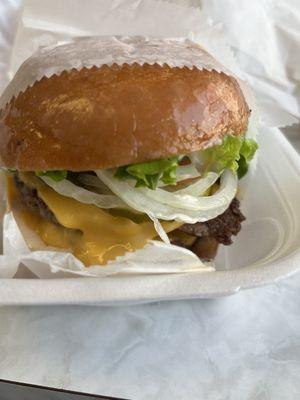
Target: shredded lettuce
[[234, 153], [148, 174], [56, 176]]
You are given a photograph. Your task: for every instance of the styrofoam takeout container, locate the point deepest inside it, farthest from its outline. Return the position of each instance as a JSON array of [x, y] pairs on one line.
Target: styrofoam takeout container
[[266, 250], [267, 247]]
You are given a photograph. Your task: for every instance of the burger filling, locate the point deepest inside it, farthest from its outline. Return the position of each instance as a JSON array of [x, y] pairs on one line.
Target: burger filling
[[188, 200]]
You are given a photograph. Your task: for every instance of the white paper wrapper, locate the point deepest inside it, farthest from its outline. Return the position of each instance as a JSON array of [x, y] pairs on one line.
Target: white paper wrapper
[[264, 37], [155, 258], [108, 50]]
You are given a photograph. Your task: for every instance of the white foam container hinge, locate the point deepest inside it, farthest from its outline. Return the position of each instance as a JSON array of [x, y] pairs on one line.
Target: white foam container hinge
[[266, 250]]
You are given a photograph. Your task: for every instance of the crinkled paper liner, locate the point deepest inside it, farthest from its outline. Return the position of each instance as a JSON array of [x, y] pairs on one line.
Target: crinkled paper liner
[[156, 257], [88, 52]]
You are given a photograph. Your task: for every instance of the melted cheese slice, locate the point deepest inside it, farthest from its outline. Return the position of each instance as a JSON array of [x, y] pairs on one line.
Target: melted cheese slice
[[93, 235]]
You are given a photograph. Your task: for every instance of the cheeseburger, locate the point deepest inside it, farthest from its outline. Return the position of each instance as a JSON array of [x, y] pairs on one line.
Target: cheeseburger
[[102, 158]]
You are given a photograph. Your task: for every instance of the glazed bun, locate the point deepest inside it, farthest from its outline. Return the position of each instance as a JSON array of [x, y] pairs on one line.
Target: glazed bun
[[117, 115]]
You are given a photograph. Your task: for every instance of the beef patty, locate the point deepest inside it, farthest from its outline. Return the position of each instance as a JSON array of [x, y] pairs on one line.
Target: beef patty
[[33, 201], [202, 238], [221, 228]]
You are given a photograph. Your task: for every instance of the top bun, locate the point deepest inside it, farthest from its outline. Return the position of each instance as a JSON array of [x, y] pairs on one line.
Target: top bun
[[117, 115]]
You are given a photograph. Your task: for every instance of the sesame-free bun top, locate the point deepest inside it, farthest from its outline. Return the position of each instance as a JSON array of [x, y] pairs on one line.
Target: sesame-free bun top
[[109, 116]]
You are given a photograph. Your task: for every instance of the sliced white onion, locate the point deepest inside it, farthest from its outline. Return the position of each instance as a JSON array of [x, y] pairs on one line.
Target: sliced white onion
[[182, 200], [190, 211], [69, 189], [179, 197], [196, 160], [199, 187], [159, 229]]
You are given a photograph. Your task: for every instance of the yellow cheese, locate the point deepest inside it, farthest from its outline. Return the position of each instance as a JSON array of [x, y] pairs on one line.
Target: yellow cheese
[[93, 235]]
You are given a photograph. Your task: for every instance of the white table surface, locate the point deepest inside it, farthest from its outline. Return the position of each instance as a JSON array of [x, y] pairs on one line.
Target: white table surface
[[246, 346]]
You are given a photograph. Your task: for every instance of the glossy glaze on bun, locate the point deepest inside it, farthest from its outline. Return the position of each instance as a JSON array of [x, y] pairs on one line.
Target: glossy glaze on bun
[[112, 116]]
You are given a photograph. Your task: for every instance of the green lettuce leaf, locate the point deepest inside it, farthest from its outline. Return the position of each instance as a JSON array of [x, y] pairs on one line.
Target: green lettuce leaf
[[247, 152], [54, 175], [148, 174], [222, 157], [234, 153]]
